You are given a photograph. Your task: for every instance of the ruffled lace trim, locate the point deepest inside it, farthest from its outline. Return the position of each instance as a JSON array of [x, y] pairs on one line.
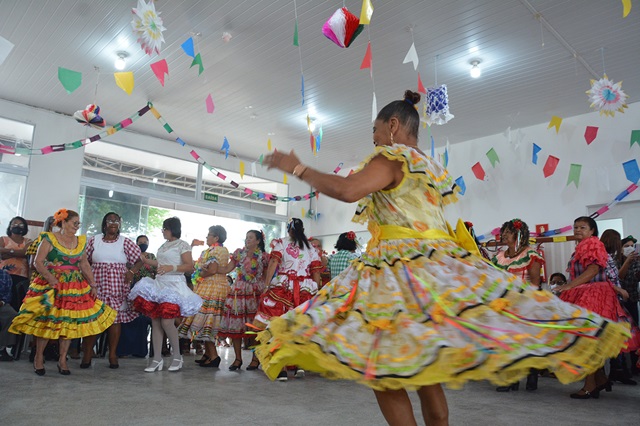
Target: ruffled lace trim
[[590, 251]]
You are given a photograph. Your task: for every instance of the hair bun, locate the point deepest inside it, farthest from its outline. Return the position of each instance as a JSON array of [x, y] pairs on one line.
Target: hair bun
[[411, 97]]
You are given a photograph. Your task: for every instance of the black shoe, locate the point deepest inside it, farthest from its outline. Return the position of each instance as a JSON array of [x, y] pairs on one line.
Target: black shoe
[[513, 387], [202, 360], [84, 365], [39, 371], [605, 387], [63, 372], [211, 363], [5, 357], [532, 381], [595, 394], [282, 377], [236, 365], [114, 366], [253, 366]]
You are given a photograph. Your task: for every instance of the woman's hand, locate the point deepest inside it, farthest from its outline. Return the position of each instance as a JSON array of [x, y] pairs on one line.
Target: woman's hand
[[281, 161], [94, 292], [163, 269], [622, 292], [128, 277]]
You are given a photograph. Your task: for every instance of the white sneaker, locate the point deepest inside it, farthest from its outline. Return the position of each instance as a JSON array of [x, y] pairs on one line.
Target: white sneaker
[[155, 365], [176, 364], [299, 373]]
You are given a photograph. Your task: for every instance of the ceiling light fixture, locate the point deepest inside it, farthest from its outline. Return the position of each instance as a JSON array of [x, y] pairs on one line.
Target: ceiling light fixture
[[121, 62], [475, 71]]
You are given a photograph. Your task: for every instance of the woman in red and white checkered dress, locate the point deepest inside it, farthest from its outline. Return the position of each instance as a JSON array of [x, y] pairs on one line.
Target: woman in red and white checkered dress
[[111, 257]]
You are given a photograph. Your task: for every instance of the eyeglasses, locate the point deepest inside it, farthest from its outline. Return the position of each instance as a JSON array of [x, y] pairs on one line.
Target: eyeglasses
[[76, 224], [113, 222], [18, 225]]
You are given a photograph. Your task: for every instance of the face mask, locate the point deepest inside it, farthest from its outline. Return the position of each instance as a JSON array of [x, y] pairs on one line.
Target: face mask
[[627, 250], [18, 230], [143, 247]]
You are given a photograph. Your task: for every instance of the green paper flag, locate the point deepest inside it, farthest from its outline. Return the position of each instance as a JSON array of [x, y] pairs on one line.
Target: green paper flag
[[198, 60], [261, 159], [635, 137], [70, 80], [295, 35], [574, 174], [493, 157]]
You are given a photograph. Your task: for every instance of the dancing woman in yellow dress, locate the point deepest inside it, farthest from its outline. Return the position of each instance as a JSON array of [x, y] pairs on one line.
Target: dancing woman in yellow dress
[[417, 309]]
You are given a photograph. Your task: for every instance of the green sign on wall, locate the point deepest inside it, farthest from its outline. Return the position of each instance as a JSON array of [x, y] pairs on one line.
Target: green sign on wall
[[211, 197]]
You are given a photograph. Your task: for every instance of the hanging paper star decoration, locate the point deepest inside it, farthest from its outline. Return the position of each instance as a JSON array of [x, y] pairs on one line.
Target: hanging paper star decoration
[[147, 25], [437, 103], [607, 97], [342, 28], [90, 117]]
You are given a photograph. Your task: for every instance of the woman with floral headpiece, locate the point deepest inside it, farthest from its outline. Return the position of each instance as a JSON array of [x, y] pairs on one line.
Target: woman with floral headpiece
[[346, 246], [519, 259], [61, 301], [241, 305]]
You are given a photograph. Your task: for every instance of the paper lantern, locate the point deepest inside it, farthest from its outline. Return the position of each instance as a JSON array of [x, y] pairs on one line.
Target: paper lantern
[[147, 26], [90, 117], [437, 103], [342, 28], [607, 97]]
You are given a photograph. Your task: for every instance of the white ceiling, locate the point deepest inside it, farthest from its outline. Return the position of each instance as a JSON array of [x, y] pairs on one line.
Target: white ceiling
[[528, 75]]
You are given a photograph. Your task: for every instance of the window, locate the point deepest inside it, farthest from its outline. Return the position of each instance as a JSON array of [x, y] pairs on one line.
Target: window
[[11, 197]]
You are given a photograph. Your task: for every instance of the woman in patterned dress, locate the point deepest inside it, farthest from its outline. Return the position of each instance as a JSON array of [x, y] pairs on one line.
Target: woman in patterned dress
[[213, 288], [242, 302], [111, 257], [61, 302], [417, 310]]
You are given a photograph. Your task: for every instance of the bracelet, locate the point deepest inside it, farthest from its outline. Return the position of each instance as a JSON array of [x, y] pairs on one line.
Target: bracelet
[[175, 268], [299, 170]]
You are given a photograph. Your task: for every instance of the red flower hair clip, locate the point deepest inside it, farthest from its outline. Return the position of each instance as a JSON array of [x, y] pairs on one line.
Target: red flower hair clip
[[517, 223], [351, 235], [469, 225]]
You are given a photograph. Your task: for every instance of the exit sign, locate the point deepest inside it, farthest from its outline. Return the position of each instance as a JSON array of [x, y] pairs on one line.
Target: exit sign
[[211, 197]]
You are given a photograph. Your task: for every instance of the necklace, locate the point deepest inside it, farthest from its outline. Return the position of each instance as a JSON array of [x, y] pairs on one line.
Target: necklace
[[249, 271], [64, 242]]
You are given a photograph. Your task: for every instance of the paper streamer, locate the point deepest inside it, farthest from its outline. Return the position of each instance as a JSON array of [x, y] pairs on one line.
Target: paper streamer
[[374, 108], [367, 11], [241, 170]]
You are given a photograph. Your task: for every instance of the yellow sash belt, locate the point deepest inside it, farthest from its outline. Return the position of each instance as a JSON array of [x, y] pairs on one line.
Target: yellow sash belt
[[394, 232]]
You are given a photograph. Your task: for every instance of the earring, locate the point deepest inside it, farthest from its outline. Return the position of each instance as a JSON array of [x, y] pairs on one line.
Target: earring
[[392, 141]]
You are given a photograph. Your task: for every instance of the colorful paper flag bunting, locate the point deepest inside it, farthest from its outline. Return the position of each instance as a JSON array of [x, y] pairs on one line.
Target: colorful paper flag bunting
[[478, 171], [124, 80], [555, 122], [421, 88], [550, 166], [635, 137], [187, 46], [461, 185], [445, 157], [198, 60], [254, 172], [209, 104], [534, 156], [631, 170], [241, 170], [366, 61], [160, 68], [366, 12], [412, 56], [70, 79], [433, 146], [492, 155], [225, 147], [284, 179], [319, 139], [261, 159], [590, 134], [574, 174]]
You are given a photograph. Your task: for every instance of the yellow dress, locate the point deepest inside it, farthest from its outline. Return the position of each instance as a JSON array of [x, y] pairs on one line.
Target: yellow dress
[[417, 309]]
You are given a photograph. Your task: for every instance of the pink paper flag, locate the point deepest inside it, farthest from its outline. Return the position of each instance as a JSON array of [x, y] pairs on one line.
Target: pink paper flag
[[366, 61], [550, 166], [478, 171], [160, 68], [46, 150], [590, 134], [209, 103]]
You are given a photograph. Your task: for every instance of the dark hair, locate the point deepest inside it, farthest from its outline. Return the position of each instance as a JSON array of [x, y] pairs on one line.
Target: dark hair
[[625, 240], [558, 274], [613, 244], [520, 228], [173, 225], [141, 236], [260, 236], [21, 219], [295, 227], [104, 222], [404, 111], [344, 243], [589, 221], [48, 224], [220, 232]]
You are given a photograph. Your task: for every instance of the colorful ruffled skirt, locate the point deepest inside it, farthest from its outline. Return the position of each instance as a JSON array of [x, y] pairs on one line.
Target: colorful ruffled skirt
[[205, 324], [413, 313], [240, 309], [67, 311], [165, 297]]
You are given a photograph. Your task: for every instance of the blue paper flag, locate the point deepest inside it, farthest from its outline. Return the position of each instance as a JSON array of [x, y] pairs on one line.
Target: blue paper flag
[[631, 170], [446, 158], [302, 88], [536, 150], [187, 46], [433, 147], [225, 147], [461, 185], [319, 139]]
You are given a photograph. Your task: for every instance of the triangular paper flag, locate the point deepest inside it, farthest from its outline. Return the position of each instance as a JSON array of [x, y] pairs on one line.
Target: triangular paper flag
[[445, 157], [433, 147], [187, 46], [478, 171], [242, 170], [70, 80], [254, 172], [5, 48], [367, 11], [536, 150], [284, 179], [574, 174], [225, 147], [631, 170], [550, 166], [198, 60], [209, 104], [366, 61], [261, 159], [635, 137], [124, 80], [319, 139], [626, 8], [268, 146], [312, 141], [304, 213], [374, 108], [555, 122], [421, 88], [492, 155], [461, 185], [160, 68], [590, 134], [295, 35], [412, 56]]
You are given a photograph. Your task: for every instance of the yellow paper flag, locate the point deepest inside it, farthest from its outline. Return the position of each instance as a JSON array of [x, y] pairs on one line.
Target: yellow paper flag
[[269, 145], [284, 180], [555, 122], [367, 11], [303, 212], [242, 170], [626, 8], [124, 80]]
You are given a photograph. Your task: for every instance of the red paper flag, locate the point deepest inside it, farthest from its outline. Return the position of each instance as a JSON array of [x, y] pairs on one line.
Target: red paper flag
[[160, 68], [590, 134], [550, 166], [478, 171], [366, 61], [421, 88]]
